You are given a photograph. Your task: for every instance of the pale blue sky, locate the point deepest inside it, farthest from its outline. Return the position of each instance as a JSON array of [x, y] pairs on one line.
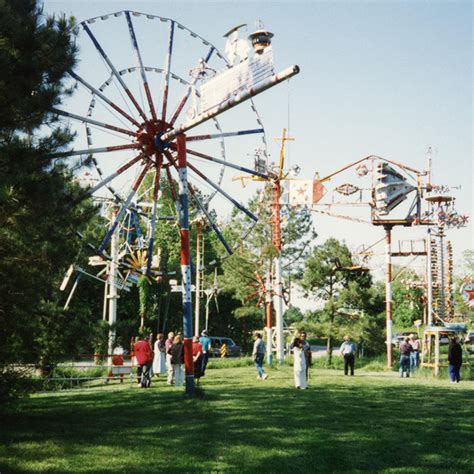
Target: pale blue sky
[[385, 78]]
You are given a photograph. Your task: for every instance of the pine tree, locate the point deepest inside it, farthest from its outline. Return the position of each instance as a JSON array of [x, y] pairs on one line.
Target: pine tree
[[41, 207]]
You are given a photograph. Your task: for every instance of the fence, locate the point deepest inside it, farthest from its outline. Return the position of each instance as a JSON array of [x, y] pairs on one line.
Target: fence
[[84, 372]]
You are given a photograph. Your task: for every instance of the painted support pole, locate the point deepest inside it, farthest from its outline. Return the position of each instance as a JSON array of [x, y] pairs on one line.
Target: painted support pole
[[268, 314], [198, 279], [388, 293], [185, 264], [113, 291], [429, 280], [208, 300], [280, 352], [278, 290], [437, 352]]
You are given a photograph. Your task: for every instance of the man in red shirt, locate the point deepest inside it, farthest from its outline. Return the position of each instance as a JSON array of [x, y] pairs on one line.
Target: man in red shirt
[[144, 356]]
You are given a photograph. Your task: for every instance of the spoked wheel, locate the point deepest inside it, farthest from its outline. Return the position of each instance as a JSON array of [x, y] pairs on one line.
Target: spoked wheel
[[129, 102]]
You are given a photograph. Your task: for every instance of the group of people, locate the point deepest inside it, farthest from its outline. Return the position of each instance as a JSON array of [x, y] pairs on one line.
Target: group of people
[[167, 357], [409, 355], [302, 358]]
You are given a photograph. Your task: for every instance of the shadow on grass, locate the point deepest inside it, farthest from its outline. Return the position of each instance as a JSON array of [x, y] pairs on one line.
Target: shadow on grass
[[341, 425]]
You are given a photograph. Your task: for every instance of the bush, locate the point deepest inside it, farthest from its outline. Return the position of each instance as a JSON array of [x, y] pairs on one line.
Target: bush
[[15, 382]]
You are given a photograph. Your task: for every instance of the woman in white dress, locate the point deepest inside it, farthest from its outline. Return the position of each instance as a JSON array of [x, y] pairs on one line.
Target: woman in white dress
[[299, 365], [159, 359]]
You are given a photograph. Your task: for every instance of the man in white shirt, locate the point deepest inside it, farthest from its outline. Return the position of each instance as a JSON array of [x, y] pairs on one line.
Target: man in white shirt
[[348, 351]]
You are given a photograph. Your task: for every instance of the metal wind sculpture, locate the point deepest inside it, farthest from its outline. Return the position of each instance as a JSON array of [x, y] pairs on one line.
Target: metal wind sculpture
[[441, 215], [273, 286], [391, 184], [141, 131]]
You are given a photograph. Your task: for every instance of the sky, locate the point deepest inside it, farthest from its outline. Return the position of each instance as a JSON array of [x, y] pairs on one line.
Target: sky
[[390, 78]]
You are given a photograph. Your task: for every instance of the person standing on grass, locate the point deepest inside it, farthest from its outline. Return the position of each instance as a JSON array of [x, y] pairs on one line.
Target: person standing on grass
[[258, 355], [176, 352], [307, 352], [205, 342], [169, 367], [348, 351], [117, 360], [159, 360], [455, 360], [306, 348], [415, 353], [405, 354], [197, 359], [299, 364], [144, 356]]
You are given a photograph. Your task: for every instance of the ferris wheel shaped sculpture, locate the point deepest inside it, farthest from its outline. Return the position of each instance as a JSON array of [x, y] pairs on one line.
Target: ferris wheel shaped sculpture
[[136, 113]]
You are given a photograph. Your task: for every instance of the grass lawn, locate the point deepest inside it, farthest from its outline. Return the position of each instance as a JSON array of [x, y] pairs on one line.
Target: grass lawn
[[370, 422]]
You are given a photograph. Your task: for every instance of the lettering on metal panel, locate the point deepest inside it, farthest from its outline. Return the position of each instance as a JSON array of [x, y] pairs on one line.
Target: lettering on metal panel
[[237, 79]]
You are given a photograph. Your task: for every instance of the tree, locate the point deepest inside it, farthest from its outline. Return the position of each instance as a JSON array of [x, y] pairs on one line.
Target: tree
[[407, 294], [331, 277], [293, 315], [41, 207], [245, 271]]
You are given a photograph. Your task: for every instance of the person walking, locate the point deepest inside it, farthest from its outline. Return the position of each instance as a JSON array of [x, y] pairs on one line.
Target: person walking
[[455, 360], [405, 354], [159, 360], [176, 352], [197, 359], [144, 356], [415, 353], [205, 342], [258, 355], [169, 367], [348, 351], [299, 364]]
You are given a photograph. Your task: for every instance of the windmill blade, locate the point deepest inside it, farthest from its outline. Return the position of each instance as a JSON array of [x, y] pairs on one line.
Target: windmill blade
[[391, 188]]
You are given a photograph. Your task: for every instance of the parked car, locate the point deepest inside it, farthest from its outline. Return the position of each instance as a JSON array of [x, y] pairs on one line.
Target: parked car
[[398, 337], [232, 349]]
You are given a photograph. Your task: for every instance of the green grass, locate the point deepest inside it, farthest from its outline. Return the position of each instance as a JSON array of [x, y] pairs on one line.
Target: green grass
[[370, 422]]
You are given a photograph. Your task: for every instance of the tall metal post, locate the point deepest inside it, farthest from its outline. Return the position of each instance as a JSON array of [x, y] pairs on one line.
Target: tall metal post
[[112, 285], [268, 313], [208, 299], [278, 293], [429, 280], [442, 289], [198, 278], [185, 264], [388, 292]]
